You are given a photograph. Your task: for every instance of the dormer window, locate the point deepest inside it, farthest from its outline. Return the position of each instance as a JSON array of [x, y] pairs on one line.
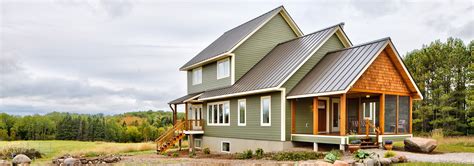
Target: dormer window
[[197, 76], [223, 68]]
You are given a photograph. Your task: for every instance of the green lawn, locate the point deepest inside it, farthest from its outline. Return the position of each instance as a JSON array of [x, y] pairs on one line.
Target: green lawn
[[450, 144], [56, 148]]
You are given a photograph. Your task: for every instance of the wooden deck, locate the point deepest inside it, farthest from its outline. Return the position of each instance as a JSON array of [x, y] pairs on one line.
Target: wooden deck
[[334, 138]]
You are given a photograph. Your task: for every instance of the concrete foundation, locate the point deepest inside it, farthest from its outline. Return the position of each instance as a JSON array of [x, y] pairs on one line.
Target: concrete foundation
[[239, 145]]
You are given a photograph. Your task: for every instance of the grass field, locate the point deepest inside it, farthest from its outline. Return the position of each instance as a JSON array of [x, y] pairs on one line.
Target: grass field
[[56, 148], [450, 144]]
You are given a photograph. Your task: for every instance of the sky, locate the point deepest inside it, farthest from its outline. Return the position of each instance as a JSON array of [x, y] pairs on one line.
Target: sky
[[115, 56]]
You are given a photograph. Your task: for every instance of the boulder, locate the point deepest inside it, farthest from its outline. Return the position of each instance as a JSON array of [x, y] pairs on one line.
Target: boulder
[[402, 158], [369, 162], [394, 159], [21, 159], [340, 163], [385, 161], [416, 144], [71, 161]]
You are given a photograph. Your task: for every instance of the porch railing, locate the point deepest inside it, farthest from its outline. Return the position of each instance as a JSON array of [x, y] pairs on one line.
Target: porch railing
[[193, 124], [369, 125]]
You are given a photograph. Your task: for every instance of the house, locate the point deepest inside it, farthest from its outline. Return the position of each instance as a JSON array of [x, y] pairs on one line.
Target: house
[[264, 84]]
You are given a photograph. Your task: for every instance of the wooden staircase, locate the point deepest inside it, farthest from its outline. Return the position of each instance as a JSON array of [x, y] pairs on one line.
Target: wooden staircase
[[367, 142], [170, 137]]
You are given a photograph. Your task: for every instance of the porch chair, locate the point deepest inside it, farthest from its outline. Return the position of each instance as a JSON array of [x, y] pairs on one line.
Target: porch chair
[[401, 125]]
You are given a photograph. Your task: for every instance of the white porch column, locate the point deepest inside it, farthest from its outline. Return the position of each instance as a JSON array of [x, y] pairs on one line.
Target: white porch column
[[315, 147]]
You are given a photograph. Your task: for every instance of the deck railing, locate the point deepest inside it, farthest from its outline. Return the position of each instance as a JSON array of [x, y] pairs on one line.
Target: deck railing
[[196, 125]]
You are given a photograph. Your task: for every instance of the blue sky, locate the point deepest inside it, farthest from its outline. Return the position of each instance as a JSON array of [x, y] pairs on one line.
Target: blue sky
[[115, 56]]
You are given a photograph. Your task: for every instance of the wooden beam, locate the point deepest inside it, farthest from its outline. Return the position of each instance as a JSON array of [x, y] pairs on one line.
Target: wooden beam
[[359, 113], [343, 119], [293, 116], [411, 114], [382, 114], [186, 124], [315, 116], [358, 90], [396, 121]]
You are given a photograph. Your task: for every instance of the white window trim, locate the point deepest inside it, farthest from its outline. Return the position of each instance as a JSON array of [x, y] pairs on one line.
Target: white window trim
[[238, 112], [222, 146], [212, 118], [228, 70], [200, 145], [269, 111], [370, 110], [192, 73]]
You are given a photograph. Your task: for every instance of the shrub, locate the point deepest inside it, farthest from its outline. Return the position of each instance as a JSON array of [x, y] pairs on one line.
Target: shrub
[[192, 154], [437, 134], [361, 155], [176, 154], [10, 151], [247, 154], [389, 154], [207, 151], [93, 154], [297, 156], [332, 156], [259, 153]]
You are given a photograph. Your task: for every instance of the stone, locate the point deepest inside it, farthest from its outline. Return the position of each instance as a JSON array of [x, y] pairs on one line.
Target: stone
[[369, 162], [350, 161], [359, 164], [385, 161], [402, 158], [21, 159], [416, 144], [340, 163], [394, 159], [322, 163], [70, 161]]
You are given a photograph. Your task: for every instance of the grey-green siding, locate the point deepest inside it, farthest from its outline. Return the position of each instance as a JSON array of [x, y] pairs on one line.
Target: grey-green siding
[[252, 130], [260, 43], [332, 44], [304, 116], [209, 79]]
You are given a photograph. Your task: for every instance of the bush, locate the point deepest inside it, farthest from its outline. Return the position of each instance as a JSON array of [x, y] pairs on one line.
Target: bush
[[10, 151], [389, 154], [176, 154], [207, 151], [93, 154], [247, 154], [332, 156], [297, 156], [259, 153], [361, 155], [192, 154]]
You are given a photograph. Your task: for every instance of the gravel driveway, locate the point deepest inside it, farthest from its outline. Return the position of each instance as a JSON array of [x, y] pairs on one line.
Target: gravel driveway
[[467, 158]]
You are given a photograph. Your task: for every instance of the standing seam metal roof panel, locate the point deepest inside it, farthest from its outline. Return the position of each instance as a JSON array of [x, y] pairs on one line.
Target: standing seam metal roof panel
[[231, 38], [278, 64], [338, 69]]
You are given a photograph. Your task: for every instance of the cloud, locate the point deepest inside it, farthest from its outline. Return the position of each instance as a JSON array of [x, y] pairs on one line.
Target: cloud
[[375, 8], [466, 30]]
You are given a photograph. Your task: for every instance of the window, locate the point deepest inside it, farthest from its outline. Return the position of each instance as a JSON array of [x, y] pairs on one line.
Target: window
[[197, 76], [403, 114], [197, 143], [390, 113], [225, 146], [242, 107], [265, 111], [369, 108], [218, 114], [223, 68]]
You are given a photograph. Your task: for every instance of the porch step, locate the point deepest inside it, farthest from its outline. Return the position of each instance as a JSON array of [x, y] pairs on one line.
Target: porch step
[[368, 146]]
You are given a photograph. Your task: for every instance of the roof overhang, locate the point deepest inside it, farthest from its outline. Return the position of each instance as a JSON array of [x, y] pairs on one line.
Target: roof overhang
[[240, 94], [186, 98], [207, 61]]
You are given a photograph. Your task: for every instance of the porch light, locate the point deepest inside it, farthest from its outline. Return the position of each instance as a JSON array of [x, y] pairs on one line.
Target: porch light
[[367, 96]]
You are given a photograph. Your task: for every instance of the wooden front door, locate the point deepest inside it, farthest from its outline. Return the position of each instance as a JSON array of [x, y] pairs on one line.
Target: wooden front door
[[322, 115]]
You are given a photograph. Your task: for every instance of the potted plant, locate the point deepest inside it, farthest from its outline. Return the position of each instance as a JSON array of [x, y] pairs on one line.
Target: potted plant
[[354, 144], [388, 145]]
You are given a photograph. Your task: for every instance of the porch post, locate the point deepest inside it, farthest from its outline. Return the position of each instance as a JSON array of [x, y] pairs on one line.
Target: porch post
[[186, 125], [315, 116], [411, 114], [382, 114], [342, 130], [293, 116]]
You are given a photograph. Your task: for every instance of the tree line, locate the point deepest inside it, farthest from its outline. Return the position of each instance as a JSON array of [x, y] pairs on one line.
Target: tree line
[[128, 127], [444, 73]]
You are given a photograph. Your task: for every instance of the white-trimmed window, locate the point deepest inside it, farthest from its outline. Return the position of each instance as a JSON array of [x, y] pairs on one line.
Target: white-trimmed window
[[225, 146], [197, 76], [223, 68], [218, 114], [265, 111], [242, 112], [369, 109], [197, 143]]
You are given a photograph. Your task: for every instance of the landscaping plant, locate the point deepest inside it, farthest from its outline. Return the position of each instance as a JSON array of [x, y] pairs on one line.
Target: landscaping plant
[[361, 155], [8, 152], [247, 154], [207, 151], [259, 153], [297, 156], [389, 154], [332, 156]]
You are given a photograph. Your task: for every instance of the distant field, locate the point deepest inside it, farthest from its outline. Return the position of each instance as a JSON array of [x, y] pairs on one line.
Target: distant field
[[451, 144], [57, 148]]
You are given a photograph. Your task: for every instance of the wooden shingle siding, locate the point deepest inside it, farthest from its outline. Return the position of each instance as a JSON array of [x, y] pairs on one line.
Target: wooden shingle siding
[[260, 43], [382, 75], [332, 44], [252, 130], [209, 79]]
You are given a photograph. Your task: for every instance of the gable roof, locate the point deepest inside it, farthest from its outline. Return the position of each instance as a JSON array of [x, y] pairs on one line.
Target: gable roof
[[277, 66], [339, 70], [228, 41]]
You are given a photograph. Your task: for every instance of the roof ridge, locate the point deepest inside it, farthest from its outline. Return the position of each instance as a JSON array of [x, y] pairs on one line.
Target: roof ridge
[[340, 24], [279, 7], [360, 45]]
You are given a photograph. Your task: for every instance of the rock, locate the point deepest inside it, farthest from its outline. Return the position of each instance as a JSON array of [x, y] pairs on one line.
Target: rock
[[340, 163], [394, 159], [417, 144], [359, 164], [385, 161], [21, 159], [70, 161], [369, 162], [322, 163], [402, 158], [350, 161]]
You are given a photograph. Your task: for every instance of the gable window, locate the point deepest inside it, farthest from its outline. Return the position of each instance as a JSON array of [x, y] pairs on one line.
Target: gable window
[[197, 76], [242, 117], [225, 146], [223, 68], [218, 114], [265, 111]]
